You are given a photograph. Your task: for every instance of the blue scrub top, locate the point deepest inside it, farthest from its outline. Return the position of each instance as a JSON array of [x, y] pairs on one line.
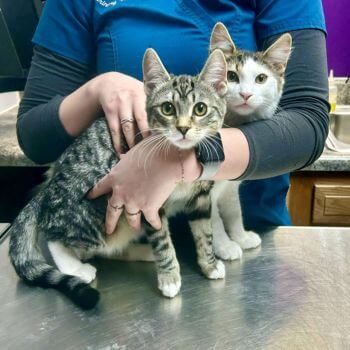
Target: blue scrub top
[[112, 35]]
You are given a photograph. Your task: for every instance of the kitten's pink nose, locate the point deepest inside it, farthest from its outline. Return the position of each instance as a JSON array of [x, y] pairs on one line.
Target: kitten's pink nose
[[246, 95], [183, 129]]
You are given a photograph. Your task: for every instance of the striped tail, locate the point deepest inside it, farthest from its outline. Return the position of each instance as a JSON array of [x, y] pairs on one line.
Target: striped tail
[[30, 265]]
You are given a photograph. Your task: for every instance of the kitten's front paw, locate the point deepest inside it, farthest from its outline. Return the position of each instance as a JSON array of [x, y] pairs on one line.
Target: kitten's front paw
[[228, 250], [86, 272], [249, 240], [169, 284], [215, 272]]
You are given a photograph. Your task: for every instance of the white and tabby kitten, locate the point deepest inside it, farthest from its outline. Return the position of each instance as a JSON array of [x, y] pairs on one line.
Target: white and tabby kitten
[[255, 85]]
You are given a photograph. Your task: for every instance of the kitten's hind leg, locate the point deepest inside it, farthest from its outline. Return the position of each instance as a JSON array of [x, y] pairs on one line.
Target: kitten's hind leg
[[168, 269], [224, 247], [245, 239], [68, 263], [230, 211]]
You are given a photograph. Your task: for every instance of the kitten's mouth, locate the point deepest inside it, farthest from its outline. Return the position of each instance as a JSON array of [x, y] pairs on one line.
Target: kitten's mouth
[[244, 108], [241, 105], [184, 143], [244, 105]]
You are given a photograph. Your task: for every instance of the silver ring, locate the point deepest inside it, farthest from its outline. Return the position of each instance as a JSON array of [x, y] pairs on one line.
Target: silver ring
[[127, 120], [115, 207], [132, 214]]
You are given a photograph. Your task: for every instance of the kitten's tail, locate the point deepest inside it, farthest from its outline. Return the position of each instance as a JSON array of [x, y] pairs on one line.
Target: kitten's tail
[[29, 263]]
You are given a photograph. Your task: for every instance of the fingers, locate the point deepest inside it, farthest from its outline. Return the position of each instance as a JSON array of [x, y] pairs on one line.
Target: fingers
[[115, 209], [114, 127], [133, 216], [152, 216], [102, 187], [127, 121], [113, 213], [111, 113], [125, 113], [139, 106]]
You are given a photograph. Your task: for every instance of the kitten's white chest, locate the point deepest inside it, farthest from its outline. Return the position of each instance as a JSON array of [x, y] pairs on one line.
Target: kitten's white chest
[[178, 198], [181, 192]]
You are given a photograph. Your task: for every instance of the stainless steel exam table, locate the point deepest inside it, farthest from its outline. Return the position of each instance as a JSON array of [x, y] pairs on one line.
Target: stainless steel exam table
[[292, 293]]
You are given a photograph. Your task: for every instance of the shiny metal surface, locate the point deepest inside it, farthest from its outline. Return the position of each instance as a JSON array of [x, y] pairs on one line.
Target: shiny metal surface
[[340, 123], [293, 293]]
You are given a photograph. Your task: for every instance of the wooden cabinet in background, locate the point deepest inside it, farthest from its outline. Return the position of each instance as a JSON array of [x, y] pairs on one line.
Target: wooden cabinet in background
[[331, 204], [320, 198]]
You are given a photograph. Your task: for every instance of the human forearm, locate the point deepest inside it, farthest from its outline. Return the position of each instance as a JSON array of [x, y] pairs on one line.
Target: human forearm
[[83, 103], [236, 154], [61, 101], [289, 141], [232, 167], [295, 136], [40, 132]]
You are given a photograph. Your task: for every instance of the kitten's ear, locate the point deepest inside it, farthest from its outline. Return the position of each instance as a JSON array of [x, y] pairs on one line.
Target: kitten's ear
[[214, 72], [278, 53], [154, 72], [221, 39]]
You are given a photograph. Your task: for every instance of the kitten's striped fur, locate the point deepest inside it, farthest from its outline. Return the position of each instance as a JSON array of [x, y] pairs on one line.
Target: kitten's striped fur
[[74, 226]]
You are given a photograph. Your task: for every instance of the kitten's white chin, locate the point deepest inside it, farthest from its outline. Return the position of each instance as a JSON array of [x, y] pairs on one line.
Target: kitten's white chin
[[243, 109], [184, 143]]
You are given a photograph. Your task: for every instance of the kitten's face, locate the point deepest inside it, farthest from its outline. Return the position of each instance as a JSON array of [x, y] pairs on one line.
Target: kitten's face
[[185, 109], [252, 86], [255, 80]]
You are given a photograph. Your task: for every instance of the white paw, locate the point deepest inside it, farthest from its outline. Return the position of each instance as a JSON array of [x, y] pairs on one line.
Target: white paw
[[249, 240], [169, 286], [218, 272], [228, 250], [86, 272]]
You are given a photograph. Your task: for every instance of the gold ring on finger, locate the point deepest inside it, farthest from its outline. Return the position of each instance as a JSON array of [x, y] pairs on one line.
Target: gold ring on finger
[[126, 120], [116, 207]]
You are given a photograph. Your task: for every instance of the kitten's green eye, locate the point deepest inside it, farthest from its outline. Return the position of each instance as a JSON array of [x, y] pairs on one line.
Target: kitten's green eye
[[200, 109], [168, 109], [232, 76], [261, 78]]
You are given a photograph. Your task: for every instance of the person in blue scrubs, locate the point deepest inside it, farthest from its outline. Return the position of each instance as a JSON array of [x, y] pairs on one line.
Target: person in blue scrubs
[[78, 40]]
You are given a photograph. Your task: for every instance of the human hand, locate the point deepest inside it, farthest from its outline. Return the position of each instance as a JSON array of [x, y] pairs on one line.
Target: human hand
[[143, 185], [123, 101]]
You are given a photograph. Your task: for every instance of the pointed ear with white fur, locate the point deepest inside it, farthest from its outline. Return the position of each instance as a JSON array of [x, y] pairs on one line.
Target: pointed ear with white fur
[[214, 72], [154, 72], [278, 53], [221, 39]]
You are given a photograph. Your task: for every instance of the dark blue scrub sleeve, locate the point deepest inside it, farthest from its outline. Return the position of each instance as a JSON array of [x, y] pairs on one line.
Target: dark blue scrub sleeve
[[291, 140]]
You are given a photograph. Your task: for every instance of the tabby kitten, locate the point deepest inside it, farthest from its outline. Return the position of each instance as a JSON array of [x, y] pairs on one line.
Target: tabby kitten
[[255, 85], [73, 226]]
